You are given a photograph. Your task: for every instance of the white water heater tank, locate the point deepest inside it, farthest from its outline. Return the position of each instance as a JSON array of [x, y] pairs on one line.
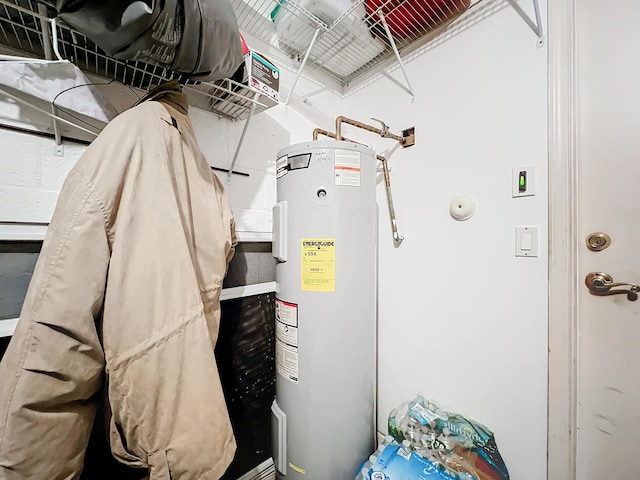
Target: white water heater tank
[[325, 240]]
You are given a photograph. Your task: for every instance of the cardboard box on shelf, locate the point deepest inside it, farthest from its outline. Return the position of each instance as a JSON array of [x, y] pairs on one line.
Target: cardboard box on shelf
[[256, 75], [263, 76]]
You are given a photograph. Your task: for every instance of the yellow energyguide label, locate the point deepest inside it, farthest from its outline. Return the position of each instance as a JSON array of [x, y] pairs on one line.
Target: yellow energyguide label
[[318, 264], [297, 469]]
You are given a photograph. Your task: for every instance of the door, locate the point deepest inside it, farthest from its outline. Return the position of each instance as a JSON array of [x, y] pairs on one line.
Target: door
[[608, 153]]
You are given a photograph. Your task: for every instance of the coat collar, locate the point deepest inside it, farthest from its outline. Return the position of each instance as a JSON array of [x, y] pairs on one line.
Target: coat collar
[[169, 93]]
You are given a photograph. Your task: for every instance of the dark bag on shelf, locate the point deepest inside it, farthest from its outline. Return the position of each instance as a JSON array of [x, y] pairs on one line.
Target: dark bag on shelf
[[197, 38]]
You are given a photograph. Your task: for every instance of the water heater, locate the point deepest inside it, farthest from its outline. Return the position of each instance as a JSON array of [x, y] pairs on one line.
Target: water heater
[[325, 241]]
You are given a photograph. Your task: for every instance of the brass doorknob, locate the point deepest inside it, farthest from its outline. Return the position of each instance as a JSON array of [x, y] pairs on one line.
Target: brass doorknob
[[602, 284]]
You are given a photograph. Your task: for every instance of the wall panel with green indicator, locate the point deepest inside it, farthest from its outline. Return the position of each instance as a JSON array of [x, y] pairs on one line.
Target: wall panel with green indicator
[[524, 181]]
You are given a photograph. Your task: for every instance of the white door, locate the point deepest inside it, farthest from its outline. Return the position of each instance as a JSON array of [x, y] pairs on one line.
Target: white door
[[608, 152]]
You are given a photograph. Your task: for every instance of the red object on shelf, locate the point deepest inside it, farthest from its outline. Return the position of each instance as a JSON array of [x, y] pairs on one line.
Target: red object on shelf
[[245, 48], [408, 18]]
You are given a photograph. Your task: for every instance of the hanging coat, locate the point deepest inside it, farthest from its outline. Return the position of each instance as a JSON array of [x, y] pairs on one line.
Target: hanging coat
[[125, 300]]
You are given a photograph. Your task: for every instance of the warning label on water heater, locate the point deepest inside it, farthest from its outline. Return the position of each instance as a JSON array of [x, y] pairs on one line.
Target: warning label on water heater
[[282, 166], [287, 340], [287, 361], [318, 264], [347, 168]]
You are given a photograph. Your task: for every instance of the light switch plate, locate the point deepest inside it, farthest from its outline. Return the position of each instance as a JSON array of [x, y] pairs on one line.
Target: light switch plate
[[527, 241], [529, 173]]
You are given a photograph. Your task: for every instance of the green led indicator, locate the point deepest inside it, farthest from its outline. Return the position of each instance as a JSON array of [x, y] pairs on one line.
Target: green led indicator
[[522, 187]]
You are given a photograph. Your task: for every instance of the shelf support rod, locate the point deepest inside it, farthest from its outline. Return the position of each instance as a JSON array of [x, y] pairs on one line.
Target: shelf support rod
[[304, 62], [46, 33], [244, 131], [56, 130], [54, 34], [408, 88], [48, 55], [535, 26]]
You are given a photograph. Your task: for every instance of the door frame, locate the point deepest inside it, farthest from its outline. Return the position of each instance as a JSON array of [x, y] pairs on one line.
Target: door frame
[[563, 241]]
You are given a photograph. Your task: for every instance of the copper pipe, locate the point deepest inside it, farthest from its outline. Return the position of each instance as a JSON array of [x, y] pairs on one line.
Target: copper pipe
[[319, 131], [387, 182], [392, 212], [382, 132]]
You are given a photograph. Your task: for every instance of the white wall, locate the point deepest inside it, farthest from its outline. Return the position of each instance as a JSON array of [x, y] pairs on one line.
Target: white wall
[[31, 176], [251, 197], [462, 320], [32, 170]]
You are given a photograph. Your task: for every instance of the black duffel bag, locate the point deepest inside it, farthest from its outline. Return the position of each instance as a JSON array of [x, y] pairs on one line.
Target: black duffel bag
[[197, 38]]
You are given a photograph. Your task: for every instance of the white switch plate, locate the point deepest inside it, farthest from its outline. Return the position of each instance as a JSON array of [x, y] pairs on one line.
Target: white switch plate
[[527, 241], [531, 181]]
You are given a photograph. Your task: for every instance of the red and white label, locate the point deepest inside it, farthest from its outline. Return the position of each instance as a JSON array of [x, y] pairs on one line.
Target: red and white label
[[287, 340], [347, 168]]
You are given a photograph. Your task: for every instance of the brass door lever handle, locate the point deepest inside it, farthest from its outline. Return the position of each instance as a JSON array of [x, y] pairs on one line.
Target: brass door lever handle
[[602, 284]]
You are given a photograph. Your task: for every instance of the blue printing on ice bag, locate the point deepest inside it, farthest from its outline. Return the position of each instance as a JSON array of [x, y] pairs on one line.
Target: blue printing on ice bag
[[481, 436], [421, 413], [459, 428], [396, 463]]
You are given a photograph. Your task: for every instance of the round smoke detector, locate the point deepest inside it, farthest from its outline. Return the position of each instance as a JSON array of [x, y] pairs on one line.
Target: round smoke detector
[[462, 207]]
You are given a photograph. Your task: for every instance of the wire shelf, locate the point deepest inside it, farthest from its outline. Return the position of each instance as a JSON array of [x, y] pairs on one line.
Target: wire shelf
[[352, 37], [25, 26]]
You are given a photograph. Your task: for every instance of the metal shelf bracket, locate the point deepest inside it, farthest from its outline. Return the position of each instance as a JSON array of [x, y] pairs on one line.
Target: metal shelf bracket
[[536, 25], [304, 62], [54, 34], [244, 131], [408, 88]]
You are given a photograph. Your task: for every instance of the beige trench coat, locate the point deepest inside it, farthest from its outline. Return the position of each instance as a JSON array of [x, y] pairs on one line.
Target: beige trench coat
[[126, 292]]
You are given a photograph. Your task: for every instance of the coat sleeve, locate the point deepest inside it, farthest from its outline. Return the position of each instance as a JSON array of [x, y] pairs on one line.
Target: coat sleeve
[[53, 367], [227, 218]]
